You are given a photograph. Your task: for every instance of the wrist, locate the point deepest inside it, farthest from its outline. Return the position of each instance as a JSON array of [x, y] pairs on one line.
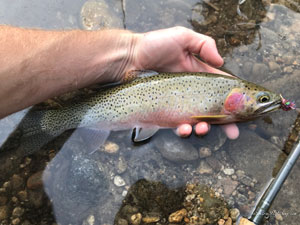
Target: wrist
[[116, 50]]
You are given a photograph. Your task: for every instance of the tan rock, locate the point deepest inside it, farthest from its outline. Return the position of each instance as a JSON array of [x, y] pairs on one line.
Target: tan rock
[[151, 219], [228, 221], [221, 222], [177, 216], [136, 219], [110, 147]]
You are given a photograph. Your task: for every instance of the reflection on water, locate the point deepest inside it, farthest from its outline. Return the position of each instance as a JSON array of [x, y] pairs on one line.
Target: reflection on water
[[122, 183]]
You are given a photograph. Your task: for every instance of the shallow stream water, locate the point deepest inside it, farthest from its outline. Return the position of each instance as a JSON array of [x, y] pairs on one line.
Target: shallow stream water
[[212, 178]]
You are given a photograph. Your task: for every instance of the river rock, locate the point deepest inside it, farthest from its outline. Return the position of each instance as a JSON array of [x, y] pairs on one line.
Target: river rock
[[176, 149], [4, 212], [96, 14], [204, 168], [177, 217], [17, 212], [17, 182], [204, 152], [254, 154], [35, 180], [119, 181]]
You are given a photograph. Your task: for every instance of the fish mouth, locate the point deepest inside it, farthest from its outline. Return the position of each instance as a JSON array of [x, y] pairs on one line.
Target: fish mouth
[[269, 107]]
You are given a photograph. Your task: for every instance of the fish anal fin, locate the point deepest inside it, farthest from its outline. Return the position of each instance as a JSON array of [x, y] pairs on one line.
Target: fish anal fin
[[94, 138], [142, 134]]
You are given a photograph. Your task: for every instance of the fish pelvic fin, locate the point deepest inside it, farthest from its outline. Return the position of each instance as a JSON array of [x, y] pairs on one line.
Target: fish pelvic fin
[[142, 134], [209, 117]]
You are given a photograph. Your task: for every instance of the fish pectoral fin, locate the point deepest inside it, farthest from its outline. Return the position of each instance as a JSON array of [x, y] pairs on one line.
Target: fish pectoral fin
[[209, 117], [94, 138], [142, 134], [134, 74]]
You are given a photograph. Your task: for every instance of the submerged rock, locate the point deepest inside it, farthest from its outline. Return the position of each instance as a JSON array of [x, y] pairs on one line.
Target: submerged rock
[[176, 149]]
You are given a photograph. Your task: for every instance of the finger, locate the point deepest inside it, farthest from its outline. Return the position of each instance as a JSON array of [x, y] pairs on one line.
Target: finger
[[231, 130], [199, 66], [205, 47], [202, 128], [184, 130]]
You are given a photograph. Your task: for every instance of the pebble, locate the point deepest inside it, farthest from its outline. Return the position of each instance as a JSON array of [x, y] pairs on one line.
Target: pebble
[[234, 214], [3, 200], [273, 66], [278, 216], [119, 181], [18, 212], [214, 163], [204, 152], [3, 212], [35, 181], [122, 221], [240, 173], [176, 217], [151, 219], [136, 219], [228, 171], [204, 168], [15, 221], [121, 166], [228, 221], [17, 182], [90, 220], [110, 147], [221, 222], [288, 69], [23, 195], [6, 185]]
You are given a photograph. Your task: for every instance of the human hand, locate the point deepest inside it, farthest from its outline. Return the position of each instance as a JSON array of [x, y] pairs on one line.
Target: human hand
[[174, 50]]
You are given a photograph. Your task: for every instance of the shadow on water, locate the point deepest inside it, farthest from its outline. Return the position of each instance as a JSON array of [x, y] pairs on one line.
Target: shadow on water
[[126, 184]]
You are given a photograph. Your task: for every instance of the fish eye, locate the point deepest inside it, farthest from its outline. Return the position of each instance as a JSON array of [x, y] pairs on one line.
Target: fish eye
[[264, 98]]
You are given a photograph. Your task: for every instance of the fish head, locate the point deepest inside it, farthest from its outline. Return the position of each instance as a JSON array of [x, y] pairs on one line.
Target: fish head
[[251, 102]]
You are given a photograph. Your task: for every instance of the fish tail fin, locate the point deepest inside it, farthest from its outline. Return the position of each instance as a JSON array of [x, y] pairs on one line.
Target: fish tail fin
[[34, 133]]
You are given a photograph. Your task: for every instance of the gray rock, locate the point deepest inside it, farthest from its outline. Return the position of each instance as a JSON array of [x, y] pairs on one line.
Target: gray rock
[[259, 71], [176, 149], [247, 68], [257, 159], [214, 163], [273, 66]]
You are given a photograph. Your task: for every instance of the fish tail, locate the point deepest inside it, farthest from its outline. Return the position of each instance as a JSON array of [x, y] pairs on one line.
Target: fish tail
[[35, 134]]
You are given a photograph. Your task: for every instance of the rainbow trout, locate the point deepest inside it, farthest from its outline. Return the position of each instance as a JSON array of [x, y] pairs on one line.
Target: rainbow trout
[[157, 100]]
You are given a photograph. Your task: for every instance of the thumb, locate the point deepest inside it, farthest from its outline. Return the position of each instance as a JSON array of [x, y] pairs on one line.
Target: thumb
[[205, 47]]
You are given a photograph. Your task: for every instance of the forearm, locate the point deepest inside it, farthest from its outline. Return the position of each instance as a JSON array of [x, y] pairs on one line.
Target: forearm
[[37, 65]]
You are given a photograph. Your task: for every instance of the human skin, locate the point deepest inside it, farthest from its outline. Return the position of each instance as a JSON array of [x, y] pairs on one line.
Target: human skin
[[38, 64]]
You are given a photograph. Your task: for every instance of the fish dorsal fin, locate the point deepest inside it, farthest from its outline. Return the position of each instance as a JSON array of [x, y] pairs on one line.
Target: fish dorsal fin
[[134, 74], [142, 134], [209, 117]]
